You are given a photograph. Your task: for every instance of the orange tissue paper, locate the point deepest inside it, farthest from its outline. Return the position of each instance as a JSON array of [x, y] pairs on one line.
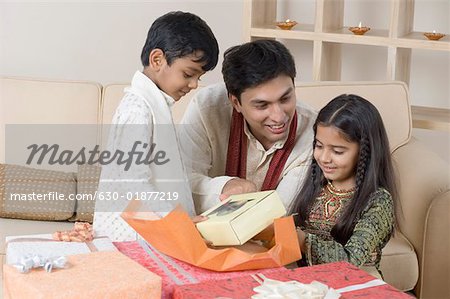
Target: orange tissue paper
[[177, 236]]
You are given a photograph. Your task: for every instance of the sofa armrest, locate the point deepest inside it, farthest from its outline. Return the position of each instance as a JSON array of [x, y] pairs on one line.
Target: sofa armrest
[[425, 202]]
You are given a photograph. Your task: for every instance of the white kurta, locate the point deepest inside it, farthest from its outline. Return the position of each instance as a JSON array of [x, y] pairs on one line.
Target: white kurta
[[143, 116], [204, 143]]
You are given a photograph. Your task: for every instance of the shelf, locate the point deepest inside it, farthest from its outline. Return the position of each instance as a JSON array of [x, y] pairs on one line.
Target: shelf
[[305, 32], [371, 33], [375, 37], [398, 41], [416, 40], [431, 118]]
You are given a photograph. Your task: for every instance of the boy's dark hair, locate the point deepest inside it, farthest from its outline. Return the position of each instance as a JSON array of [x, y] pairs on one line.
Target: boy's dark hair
[[179, 34], [358, 121], [254, 63]]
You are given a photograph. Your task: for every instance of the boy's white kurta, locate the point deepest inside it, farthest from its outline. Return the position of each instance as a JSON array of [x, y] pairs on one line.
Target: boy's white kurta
[[204, 136], [143, 118]]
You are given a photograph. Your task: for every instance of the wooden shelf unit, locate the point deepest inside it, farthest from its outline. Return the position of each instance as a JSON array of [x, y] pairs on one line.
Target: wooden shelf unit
[[328, 34]]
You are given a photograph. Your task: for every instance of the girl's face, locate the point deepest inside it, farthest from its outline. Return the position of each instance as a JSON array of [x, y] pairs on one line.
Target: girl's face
[[336, 156]]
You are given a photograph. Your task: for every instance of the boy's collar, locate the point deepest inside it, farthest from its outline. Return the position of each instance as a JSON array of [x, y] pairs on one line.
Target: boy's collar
[[169, 100], [140, 76]]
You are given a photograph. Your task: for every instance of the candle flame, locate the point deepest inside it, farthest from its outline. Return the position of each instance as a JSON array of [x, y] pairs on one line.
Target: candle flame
[[287, 21], [434, 31], [359, 25]]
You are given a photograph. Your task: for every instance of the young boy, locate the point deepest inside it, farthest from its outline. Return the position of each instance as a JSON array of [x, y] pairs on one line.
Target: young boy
[[179, 49]]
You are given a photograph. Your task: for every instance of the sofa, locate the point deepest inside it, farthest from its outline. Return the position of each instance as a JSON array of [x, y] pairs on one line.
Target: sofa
[[416, 258]]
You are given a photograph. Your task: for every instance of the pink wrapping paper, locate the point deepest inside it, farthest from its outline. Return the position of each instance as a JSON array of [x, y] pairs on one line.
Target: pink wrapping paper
[[172, 271], [93, 275], [336, 275]]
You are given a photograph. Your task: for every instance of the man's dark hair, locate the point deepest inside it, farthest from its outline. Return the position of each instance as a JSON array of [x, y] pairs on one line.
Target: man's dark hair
[[179, 34], [254, 63]]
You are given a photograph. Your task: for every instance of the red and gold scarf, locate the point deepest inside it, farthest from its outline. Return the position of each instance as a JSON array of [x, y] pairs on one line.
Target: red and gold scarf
[[237, 152]]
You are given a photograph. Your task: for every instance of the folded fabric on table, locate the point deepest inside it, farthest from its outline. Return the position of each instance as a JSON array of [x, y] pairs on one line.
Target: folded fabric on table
[[172, 271], [345, 278], [94, 275]]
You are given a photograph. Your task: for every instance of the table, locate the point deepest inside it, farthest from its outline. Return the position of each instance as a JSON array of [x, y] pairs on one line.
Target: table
[[336, 275]]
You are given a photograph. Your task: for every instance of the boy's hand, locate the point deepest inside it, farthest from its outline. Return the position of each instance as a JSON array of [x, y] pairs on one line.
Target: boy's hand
[[237, 186]]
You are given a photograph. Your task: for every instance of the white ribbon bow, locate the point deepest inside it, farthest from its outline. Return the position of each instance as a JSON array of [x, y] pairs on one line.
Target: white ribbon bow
[[275, 289], [36, 261]]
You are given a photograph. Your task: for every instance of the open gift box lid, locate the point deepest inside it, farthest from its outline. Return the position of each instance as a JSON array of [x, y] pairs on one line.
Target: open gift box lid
[[240, 217]]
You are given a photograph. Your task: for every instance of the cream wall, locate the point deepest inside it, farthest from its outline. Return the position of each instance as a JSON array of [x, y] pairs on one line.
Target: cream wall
[[96, 40], [101, 41]]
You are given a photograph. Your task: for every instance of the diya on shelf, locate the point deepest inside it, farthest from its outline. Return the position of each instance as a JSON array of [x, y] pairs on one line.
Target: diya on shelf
[[286, 25], [360, 30], [434, 35]]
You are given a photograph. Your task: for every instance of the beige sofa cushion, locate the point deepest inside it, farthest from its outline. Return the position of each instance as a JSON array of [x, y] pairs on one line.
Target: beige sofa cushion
[[399, 263], [29, 193], [27, 101], [391, 99], [87, 184]]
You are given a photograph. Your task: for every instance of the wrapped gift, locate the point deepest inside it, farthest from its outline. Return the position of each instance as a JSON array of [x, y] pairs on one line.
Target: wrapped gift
[[93, 275], [172, 271], [344, 278], [18, 247], [240, 217]]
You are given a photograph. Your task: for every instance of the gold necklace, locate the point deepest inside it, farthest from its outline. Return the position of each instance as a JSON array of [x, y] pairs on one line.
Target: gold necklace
[[336, 194], [339, 192]]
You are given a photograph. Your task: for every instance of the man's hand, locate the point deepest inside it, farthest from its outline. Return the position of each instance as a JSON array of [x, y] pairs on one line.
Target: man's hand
[[198, 218], [237, 186]]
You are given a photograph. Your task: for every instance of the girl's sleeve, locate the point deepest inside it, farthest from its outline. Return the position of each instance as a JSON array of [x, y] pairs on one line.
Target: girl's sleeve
[[371, 231]]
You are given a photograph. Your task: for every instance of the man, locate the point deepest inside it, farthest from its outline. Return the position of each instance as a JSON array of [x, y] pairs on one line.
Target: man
[[250, 134]]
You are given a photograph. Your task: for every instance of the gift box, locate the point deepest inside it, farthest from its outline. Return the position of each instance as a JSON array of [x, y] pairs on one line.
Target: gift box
[[172, 271], [44, 245], [343, 277], [176, 235], [241, 217], [92, 275]]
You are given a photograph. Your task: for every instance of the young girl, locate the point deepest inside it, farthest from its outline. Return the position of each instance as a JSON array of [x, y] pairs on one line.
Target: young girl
[[346, 208]]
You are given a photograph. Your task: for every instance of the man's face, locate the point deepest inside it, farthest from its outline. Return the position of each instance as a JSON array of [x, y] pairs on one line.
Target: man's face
[[268, 109], [180, 77]]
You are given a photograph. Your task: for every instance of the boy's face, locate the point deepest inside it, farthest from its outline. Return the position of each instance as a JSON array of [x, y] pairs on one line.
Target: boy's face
[[268, 109], [180, 77]]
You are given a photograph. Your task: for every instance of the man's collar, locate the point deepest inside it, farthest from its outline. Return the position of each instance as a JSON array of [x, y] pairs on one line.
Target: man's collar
[[277, 145]]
